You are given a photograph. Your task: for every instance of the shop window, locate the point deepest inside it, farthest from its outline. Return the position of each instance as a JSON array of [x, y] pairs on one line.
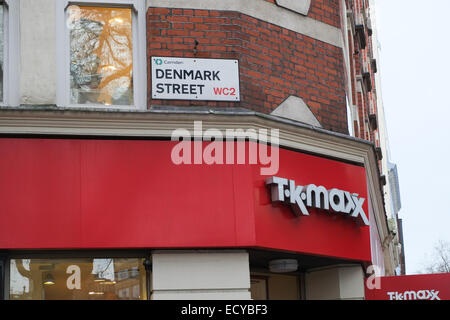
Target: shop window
[[258, 287], [77, 279], [283, 287], [104, 60], [2, 276], [270, 286]]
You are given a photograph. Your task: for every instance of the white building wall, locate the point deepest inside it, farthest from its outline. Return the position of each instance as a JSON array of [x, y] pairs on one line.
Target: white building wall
[[38, 52], [210, 275], [342, 282]]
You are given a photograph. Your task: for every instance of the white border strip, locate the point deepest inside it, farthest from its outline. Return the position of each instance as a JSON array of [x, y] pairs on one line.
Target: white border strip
[[265, 11]]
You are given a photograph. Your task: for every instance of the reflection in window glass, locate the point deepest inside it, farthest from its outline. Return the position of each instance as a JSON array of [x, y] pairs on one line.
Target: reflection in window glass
[[101, 55], [258, 288], [77, 279], [2, 44]]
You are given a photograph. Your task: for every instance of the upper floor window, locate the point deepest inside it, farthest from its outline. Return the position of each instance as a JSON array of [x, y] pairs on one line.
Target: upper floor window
[[101, 56], [103, 60]]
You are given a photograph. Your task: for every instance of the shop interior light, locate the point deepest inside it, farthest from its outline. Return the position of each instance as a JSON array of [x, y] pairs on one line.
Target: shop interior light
[[108, 281], [283, 265], [96, 293], [109, 67], [49, 279], [97, 278], [116, 20]]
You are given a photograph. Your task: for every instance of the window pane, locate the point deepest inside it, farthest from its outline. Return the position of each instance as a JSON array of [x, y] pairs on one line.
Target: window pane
[[77, 279], [2, 44], [258, 288], [101, 55]]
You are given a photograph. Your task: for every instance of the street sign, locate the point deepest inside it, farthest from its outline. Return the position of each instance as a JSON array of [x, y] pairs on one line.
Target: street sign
[[195, 79]]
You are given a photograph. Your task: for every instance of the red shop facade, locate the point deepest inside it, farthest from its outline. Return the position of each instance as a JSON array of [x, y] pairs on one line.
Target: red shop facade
[[113, 217], [93, 203]]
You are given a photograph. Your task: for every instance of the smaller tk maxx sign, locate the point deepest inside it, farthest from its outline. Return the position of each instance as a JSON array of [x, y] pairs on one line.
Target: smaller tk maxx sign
[[195, 79]]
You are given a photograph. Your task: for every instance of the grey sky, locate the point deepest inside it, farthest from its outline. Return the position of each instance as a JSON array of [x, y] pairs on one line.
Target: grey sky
[[415, 67]]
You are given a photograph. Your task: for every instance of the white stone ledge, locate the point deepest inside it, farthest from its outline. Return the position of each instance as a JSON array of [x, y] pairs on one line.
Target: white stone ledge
[[300, 6], [203, 295], [265, 11]]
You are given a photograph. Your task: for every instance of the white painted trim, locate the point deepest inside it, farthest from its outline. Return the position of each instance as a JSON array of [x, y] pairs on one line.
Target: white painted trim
[[11, 56], [139, 52], [101, 3], [295, 108], [265, 11]]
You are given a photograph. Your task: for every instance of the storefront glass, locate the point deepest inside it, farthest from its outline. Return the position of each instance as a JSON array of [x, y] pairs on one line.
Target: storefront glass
[[270, 286], [77, 279]]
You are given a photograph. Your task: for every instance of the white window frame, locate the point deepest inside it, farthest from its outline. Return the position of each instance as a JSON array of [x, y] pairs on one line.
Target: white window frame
[[11, 53], [139, 52]]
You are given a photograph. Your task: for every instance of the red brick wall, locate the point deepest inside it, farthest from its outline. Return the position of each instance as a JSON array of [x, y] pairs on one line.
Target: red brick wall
[[274, 62]]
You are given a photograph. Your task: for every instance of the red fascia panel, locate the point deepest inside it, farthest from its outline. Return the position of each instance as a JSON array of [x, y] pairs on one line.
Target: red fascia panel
[[412, 287], [82, 193], [322, 232]]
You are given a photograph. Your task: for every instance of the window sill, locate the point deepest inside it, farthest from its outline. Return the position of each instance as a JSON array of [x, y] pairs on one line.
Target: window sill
[[101, 107], [74, 108]]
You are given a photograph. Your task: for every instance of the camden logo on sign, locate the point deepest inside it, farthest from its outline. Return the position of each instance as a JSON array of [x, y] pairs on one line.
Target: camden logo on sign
[[301, 197]]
